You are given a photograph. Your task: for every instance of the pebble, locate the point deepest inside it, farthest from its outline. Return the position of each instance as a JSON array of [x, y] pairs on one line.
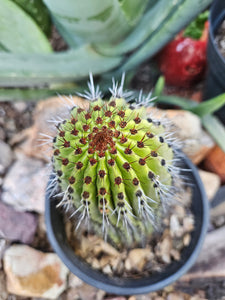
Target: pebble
[[3, 246], [24, 185], [137, 258], [188, 224], [217, 209], [164, 248], [32, 273], [215, 162], [175, 254], [175, 296], [74, 281], [17, 226], [196, 143], [115, 298], [3, 290], [211, 183], [210, 263], [107, 270], [20, 106], [186, 239], [86, 292], [175, 227], [43, 115], [6, 157]]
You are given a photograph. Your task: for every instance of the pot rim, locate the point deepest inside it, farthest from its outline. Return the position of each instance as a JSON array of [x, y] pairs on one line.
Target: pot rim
[[133, 286]]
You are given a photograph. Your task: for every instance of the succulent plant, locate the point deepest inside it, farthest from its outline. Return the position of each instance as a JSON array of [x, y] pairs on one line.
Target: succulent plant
[[114, 166]]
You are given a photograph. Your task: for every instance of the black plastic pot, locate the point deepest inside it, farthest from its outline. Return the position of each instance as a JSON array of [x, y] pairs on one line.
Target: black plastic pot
[[215, 80], [124, 286]]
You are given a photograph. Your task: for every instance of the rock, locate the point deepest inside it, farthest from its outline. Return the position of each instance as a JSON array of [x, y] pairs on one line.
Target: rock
[[20, 106], [74, 281], [211, 183], [187, 128], [188, 224], [5, 157], [217, 215], [115, 298], [46, 111], [3, 291], [40, 240], [32, 273], [107, 270], [87, 292], [3, 246], [137, 258], [17, 226], [164, 248], [218, 204], [175, 227], [215, 162], [175, 296], [186, 239], [24, 185], [211, 261]]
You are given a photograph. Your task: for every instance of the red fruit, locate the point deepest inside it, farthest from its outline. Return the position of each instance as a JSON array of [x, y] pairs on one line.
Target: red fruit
[[183, 60]]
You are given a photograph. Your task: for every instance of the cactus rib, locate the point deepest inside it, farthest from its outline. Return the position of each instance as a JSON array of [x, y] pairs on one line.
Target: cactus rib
[[114, 167]]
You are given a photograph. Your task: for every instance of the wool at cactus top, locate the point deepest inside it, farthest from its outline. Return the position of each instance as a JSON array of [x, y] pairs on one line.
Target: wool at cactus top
[[114, 168]]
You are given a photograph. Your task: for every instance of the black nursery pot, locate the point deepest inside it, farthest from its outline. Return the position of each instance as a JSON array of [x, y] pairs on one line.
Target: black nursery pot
[[215, 80], [125, 286]]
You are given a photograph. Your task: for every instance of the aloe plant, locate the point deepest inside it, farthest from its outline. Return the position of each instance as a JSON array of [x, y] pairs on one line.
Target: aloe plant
[[103, 37], [115, 166], [19, 33]]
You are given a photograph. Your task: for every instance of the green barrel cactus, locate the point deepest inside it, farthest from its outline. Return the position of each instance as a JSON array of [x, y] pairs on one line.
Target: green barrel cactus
[[114, 167]]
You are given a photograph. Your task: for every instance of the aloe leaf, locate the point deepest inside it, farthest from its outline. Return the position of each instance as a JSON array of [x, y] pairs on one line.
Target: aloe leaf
[[216, 129], [147, 26], [2, 48], [38, 11], [184, 13], [18, 32], [69, 38], [133, 9], [158, 89], [97, 20], [23, 70], [183, 103], [211, 123], [209, 106], [36, 94]]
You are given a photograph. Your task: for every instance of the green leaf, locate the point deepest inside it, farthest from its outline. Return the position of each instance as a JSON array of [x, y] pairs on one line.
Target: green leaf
[[158, 89], [194, 30], [23, 70], [38, 11], [216, 129], [36, 94], [97, 21], [209, 106], [148, 25], [18, 32], [183, 103], [133, 9]]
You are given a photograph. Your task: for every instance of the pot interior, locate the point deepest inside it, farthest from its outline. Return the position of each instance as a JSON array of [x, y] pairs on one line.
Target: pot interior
[[122, 286]]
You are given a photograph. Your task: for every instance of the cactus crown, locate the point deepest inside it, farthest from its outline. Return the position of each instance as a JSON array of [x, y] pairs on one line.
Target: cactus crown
[[114, 167]]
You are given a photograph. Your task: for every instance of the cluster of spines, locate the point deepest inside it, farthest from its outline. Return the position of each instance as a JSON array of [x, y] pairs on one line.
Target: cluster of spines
[[113, 166]]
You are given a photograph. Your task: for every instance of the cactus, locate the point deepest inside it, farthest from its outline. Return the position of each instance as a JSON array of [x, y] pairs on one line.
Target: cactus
[[114, 166]]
